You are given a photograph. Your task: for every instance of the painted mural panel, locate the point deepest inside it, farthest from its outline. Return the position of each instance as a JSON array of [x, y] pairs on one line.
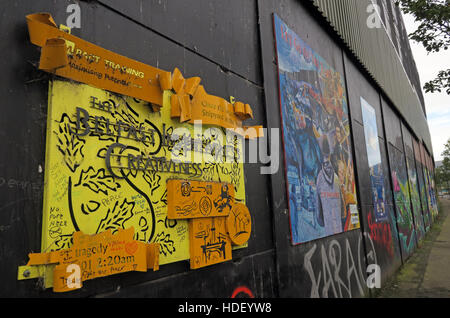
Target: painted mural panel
[[421, 186], [108, 158], [423, 197], [381, 219], [405, 222], [374, 160], [432, 204], [317, 143], [415, 198], [433, 186], [428, 192]]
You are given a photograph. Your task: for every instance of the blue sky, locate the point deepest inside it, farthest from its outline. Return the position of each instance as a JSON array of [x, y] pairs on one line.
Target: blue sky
[[437, 104]]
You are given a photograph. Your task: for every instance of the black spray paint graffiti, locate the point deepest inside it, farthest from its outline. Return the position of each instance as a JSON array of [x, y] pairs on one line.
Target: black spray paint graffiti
[[23, 185], [340, 270]]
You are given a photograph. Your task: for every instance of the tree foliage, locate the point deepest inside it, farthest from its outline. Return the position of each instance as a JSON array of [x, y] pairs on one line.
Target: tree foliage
[[433, 33], [443, 172]]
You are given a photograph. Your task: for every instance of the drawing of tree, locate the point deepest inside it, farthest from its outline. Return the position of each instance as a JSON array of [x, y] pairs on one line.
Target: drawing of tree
[[70, 145], [129, 119], [125, 115], [90, 207], [209, 171], [116, 218], [163, 198], [152, 179], [233, 170], [64, 241], [104, 134], [97, 181], [166, 245]]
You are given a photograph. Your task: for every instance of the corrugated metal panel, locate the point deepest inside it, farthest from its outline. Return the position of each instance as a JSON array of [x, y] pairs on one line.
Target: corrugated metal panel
[[376, 52]]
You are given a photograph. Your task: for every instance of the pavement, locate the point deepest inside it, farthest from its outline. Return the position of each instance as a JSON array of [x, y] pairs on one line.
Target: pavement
[[426, 274]]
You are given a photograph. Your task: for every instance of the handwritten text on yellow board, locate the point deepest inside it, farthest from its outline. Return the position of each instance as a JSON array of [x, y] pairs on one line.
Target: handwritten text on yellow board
[[108, 159]]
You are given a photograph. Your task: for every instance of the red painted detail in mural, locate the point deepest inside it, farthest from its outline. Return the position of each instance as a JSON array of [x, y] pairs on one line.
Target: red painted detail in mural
[[381, 233], [242, 290]]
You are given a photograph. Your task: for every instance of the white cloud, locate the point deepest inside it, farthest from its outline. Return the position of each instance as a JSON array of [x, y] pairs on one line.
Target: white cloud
[[438, 104]]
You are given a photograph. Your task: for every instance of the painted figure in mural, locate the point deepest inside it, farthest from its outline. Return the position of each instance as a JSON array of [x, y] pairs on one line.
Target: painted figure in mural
[[307, 137], [293, 161], [320, 177], [342, 165], [340, 149], [329, 197]]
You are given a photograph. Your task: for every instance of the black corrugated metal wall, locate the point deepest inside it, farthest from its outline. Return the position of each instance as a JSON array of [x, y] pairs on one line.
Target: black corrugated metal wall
[[231, 44]]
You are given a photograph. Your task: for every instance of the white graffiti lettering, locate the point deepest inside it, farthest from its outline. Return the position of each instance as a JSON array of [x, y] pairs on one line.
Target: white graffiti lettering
[[334, 280]]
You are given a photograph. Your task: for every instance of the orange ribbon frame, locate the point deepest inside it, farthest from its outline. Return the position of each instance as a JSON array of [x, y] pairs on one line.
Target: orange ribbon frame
[[68, 56], [191, 103], [71, 57]]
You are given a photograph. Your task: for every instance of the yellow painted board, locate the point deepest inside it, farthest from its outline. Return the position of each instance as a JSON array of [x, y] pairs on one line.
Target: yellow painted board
[[82, 194]]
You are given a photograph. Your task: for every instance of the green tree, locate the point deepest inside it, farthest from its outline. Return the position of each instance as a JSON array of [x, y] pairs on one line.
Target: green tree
[[441, 183], [446, 152], [443, 172], [433, 33]]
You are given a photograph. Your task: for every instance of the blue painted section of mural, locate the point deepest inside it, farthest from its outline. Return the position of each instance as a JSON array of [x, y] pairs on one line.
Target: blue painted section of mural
[[317, 144], [381, 220], [374, 158]]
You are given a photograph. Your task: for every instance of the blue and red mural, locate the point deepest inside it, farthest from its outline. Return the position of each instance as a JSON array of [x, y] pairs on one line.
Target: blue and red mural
[[374, 161], [317, 144]]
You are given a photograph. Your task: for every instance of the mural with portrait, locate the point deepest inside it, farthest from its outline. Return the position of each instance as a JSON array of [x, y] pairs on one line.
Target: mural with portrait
[[381, 217], [317, 143]]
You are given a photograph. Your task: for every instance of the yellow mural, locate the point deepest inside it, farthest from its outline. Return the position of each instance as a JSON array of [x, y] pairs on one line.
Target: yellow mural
[[108, 159]]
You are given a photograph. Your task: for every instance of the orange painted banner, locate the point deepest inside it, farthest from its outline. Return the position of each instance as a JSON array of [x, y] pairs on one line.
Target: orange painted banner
[[209, 242], [198, 199], [192, 103], [68, 56], [93, 256], [213, 110]]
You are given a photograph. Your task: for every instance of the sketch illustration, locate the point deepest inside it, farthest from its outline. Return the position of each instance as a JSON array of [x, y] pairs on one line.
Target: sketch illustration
[[210, 243]]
